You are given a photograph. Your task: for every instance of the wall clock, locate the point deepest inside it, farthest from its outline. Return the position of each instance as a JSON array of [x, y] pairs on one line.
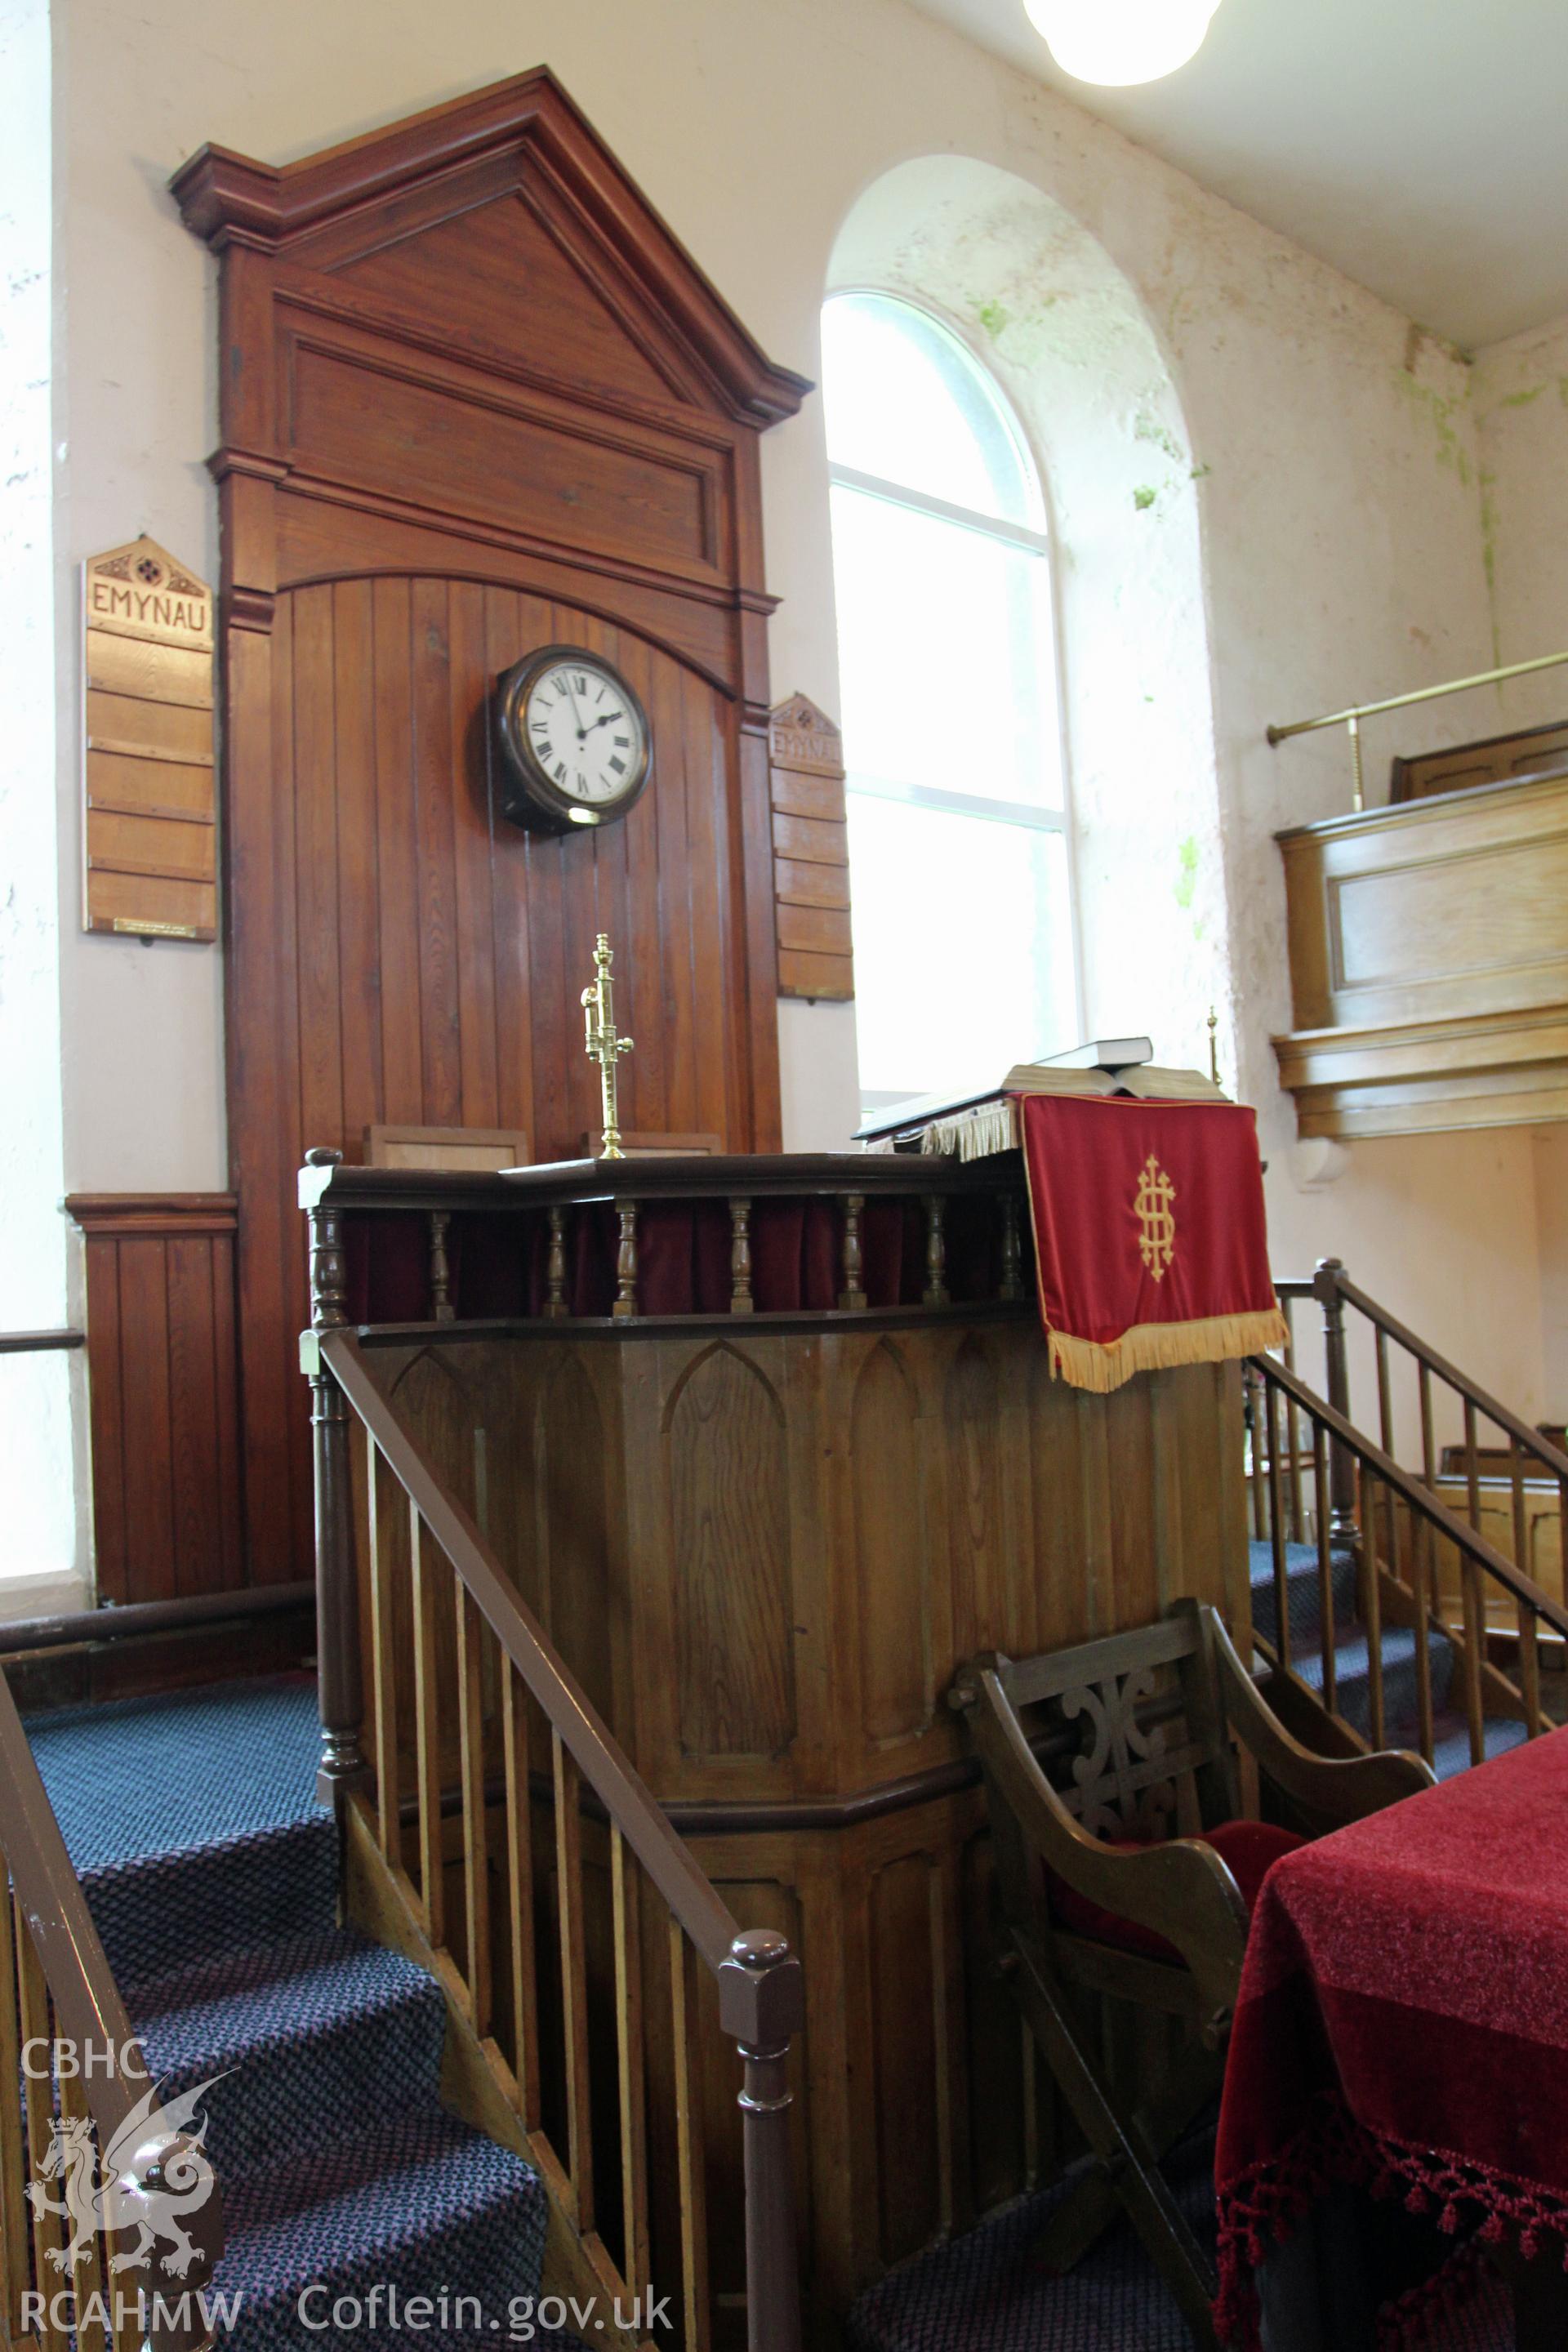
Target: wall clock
[[574, 744]]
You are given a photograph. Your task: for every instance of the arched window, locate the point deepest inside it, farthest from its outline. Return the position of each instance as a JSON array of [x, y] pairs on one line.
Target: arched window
[[962, 918]]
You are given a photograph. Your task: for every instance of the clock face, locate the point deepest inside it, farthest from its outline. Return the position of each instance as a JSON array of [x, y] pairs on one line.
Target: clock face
[[575, 739]]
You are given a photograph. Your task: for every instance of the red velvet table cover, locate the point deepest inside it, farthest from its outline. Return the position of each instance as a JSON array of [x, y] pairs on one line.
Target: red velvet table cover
[[1151, 1247], [1403, 2025]]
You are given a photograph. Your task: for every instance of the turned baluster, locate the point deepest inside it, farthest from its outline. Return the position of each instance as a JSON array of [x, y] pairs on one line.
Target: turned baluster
[[741, 1299], [555, 1267], [441, 1308], [338, 1687], [853, 1295], [936, 1292], [1012, 1286], [626, 1303]]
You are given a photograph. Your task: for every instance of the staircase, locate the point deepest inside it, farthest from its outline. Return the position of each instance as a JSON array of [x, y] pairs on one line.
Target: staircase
[[1348, 1673], [211, 1876]]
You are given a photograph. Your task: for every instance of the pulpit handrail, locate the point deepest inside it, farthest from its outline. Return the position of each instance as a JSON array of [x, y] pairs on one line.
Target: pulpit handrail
[[1406, 1548], [626, 1796], [1416, 1497], [50, 1902], [757, 1975], [64, 1997]]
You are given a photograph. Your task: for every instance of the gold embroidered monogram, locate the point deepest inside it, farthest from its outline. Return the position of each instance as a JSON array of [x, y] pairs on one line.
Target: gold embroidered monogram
[[1157, 1226]]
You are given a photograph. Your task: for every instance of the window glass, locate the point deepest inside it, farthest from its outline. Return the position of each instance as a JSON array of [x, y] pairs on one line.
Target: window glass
[[961, 916], [962, 947], [904, 400], [945, 654]]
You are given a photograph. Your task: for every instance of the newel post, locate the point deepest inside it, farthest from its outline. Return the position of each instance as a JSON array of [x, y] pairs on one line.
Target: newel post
[[1326, 1275], [337, 1588], [761, 2005]]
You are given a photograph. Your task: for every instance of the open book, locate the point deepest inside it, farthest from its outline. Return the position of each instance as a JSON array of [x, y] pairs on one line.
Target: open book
[[1064, 1076]]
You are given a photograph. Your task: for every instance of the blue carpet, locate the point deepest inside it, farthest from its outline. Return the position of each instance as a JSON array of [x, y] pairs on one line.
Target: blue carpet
[[1353, 1658], [983, 2293], [210, 1872]]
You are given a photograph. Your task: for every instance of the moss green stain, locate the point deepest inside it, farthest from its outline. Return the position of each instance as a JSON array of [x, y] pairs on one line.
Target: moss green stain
[[1489, 555], [1200, 473], [1143, 497], [993, 316], [1523, 399], [1149, 428], [1440, 413], [1187, 878]]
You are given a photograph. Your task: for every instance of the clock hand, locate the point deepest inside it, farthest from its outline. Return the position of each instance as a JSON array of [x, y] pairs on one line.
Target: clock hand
[[582, 731], [608, 719]]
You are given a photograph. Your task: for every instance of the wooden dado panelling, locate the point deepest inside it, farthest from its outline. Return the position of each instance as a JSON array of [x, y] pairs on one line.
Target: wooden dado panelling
[[475, 400], [161, 1376]]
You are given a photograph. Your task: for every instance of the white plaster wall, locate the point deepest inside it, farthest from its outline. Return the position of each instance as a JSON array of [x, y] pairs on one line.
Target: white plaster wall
[[1521, 400], [37, 1524], [1338, 498]]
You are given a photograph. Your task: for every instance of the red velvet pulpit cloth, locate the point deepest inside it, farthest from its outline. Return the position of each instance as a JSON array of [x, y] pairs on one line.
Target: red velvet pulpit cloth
[[1149, 1242], [1403, 2025]]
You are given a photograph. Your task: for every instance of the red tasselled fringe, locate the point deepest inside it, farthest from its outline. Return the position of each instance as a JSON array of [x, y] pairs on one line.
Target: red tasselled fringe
[[1266, 2203]]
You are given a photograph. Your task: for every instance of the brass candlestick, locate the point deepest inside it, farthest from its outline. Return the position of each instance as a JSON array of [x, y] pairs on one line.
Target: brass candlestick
[[604, 1047]]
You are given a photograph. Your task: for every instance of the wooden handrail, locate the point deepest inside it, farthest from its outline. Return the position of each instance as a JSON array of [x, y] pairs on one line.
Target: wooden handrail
[[620, 1787], [90, 2022], [48, 1893], [1417, 1497], [1529, 1439], [760, 1996], [136, 1620]]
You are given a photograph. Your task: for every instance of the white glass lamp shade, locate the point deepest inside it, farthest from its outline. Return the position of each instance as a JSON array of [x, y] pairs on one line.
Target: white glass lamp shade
[[1117, 42]]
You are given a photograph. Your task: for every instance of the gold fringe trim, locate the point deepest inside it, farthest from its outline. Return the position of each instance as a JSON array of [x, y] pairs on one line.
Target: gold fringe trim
[[1155, 1347], [974, 1134]]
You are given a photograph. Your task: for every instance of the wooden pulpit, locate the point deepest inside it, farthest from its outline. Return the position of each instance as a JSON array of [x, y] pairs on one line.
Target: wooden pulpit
[[770, 1445]]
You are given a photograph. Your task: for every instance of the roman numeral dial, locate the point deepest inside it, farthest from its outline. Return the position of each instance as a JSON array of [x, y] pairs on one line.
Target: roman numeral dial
[[574, 739]]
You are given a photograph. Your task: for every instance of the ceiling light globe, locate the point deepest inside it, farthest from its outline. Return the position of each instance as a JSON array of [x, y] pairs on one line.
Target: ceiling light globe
[[1119, 42]]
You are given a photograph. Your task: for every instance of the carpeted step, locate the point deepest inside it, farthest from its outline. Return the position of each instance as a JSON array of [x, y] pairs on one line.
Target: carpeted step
[[1303, 1591], [191, 1820], [211, 1873], [420, 2202], [1352, 1664], [305, 2035], [1451, 1742]]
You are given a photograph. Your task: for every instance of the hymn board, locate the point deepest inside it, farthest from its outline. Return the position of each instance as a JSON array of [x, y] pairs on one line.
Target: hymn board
[[477, 405]]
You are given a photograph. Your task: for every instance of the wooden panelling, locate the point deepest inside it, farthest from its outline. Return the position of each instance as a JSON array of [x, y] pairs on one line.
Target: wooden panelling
[[475, 400], [729, 1503], [770, 1555], [892, 1564], [1429, 963], [811, 852], [161, 1371], [1530, 751], [793, 1540]]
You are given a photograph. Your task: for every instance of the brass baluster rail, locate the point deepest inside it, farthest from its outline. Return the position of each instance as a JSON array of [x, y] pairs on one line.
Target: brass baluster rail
[[469, 1631], [1399, 1521], [1351, 719], [58, 1998]]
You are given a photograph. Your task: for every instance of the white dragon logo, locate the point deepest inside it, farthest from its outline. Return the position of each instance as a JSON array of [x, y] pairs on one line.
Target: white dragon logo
[[154, 2171]]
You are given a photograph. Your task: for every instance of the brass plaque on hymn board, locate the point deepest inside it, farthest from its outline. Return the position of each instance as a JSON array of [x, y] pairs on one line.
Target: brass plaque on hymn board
[[150, 830]]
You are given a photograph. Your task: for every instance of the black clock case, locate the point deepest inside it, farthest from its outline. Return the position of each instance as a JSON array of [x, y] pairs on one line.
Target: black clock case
[[526, 796]]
